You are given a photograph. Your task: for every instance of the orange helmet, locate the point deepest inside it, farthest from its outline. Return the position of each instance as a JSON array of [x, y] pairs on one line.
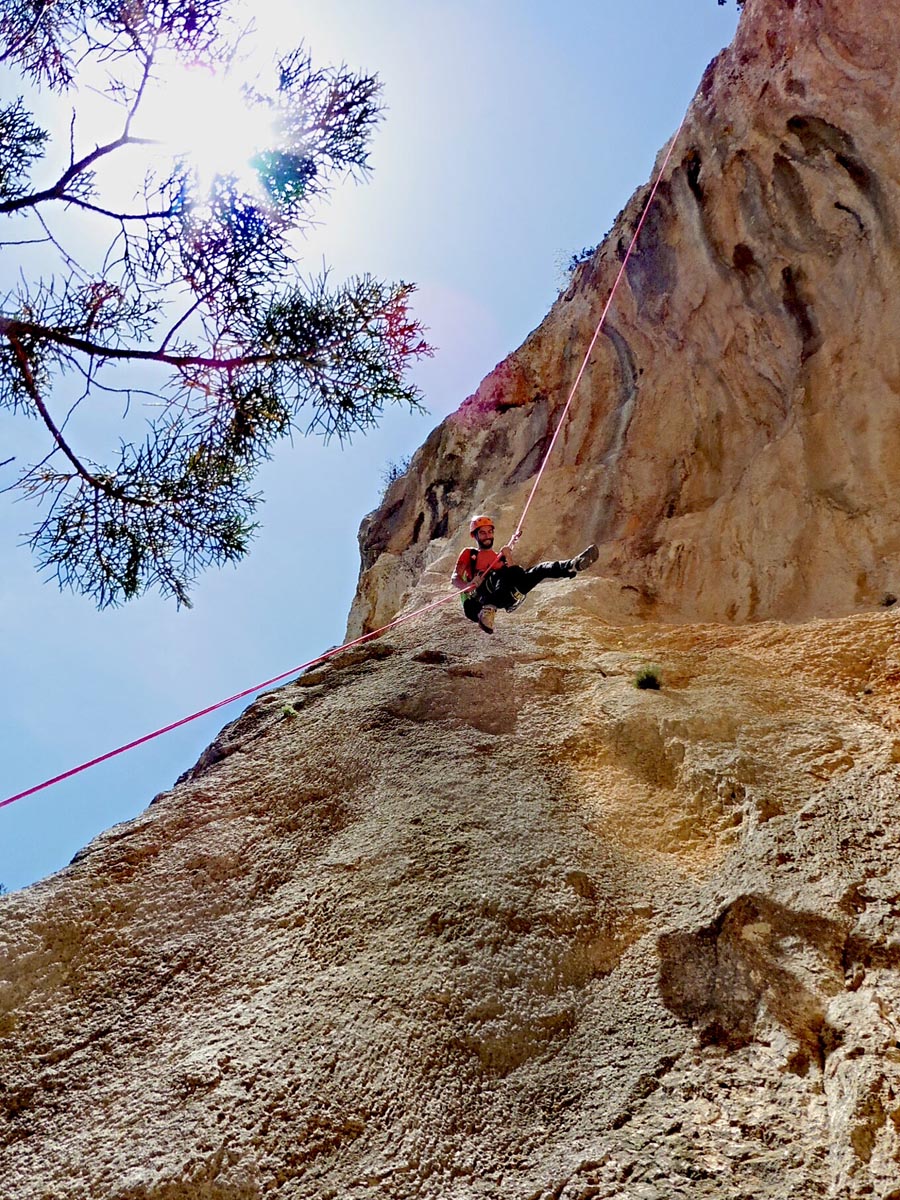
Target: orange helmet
[[480, 522]]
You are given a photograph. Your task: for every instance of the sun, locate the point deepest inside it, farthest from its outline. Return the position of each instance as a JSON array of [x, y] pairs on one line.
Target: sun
[[206, 117]]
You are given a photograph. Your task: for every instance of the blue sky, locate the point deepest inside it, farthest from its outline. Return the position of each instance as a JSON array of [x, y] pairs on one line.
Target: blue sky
[[515, 132]]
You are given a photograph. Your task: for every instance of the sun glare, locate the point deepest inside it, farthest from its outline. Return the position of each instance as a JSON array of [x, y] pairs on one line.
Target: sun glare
[[204, 116]]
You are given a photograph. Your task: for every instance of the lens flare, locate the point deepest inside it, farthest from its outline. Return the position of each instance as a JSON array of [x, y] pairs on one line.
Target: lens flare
[[206, 117]]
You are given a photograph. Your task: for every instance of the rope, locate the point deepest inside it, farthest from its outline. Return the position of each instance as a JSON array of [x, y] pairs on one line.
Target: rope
[[600, 323], [367, 637], [148, 737]]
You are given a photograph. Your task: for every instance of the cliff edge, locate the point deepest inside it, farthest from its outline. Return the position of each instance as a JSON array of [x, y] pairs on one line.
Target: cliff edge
[[734, 447]]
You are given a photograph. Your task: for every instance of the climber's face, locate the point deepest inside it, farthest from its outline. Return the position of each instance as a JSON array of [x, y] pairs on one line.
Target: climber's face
[[484, 536]]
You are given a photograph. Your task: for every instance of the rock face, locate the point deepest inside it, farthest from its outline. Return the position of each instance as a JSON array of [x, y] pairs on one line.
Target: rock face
[[735, 445], [468, 918]]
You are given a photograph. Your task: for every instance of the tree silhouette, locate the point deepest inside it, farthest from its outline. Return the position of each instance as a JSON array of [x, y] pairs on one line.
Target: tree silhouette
[[193, 308]]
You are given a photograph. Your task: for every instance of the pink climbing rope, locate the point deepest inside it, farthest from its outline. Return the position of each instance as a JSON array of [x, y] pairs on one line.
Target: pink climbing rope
[[148, 737], [600, 323], [367, 637]]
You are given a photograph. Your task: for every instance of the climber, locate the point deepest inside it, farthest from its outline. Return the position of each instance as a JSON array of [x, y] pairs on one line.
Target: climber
[[499, 582]]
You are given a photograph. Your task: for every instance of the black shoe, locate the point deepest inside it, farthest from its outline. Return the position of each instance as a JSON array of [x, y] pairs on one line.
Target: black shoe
[[585, 559]]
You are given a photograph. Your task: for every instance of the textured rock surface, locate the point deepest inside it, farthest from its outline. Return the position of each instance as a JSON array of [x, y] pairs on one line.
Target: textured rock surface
[[457, 917], [735, 448], [416, 942]]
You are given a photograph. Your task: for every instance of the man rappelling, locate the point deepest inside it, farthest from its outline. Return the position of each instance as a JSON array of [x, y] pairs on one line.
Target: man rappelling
[[498, 581]]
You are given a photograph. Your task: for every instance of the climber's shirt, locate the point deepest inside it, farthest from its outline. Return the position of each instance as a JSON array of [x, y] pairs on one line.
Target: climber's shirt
[[473, 562]]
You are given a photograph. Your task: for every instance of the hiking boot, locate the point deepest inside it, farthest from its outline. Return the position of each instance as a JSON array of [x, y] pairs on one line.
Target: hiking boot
[[486, 618], [585, 559], [517, 598]]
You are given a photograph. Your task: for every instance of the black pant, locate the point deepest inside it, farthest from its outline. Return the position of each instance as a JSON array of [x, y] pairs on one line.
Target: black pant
[[499, 586]]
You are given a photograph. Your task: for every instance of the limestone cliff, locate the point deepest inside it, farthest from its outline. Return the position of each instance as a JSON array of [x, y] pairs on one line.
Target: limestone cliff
[[468, 918], [735, 447], [396, 938]]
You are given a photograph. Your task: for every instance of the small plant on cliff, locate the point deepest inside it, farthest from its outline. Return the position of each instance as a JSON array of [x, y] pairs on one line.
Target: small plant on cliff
[[647, 680], [576, 260], [566, 267], [394, 471]]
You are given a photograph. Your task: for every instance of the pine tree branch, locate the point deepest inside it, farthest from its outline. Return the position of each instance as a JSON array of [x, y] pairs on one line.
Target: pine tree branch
[[15, 329], [58, 189], [76, 202], [15, 47], [100, 485]]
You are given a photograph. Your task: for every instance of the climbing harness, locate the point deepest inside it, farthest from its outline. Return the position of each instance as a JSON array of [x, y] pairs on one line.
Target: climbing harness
[[473, 571], [203, 712]]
